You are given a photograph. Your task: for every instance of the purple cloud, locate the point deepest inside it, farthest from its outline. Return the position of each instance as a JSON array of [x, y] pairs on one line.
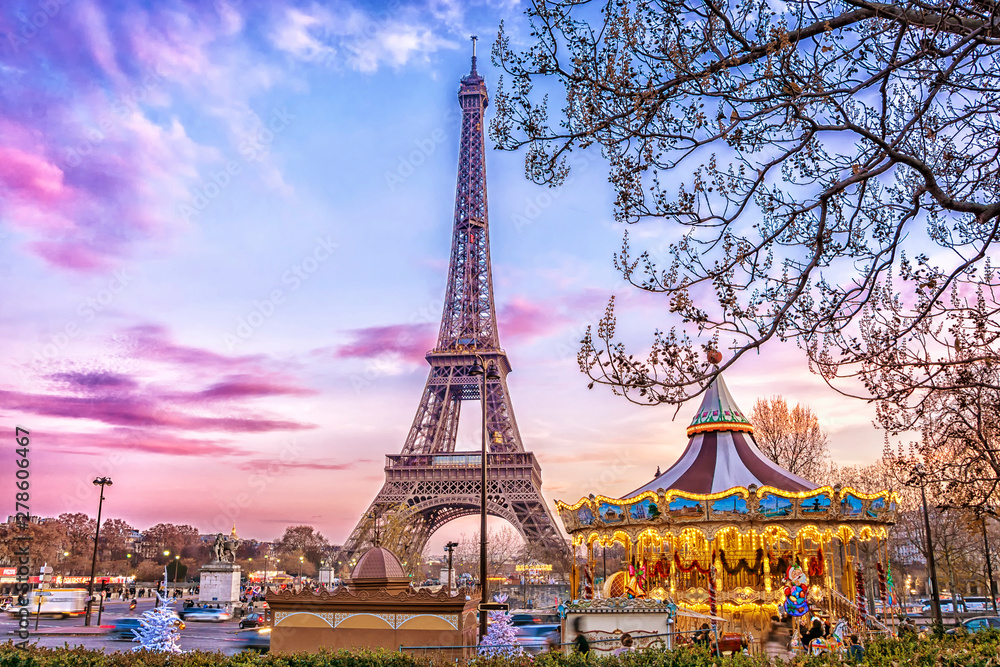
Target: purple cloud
[[408, 341]]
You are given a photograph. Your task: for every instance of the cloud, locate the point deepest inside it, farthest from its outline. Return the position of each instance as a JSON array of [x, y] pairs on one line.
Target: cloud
[[93, 154], [164, 388], [409, 342], [521, 318], [121, 440], [260, 465], [145, 411], [349, 36]]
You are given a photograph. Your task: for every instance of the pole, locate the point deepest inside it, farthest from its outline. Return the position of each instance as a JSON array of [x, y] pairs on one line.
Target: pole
[[100, 605], [101, 481], [989, 567], [932, 569], [483, 587]]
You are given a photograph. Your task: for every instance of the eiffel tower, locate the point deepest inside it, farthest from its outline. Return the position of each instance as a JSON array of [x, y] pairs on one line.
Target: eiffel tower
[[435, 483]]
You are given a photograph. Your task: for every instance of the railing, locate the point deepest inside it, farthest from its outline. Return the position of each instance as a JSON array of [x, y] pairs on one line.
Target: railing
[[464, 460]]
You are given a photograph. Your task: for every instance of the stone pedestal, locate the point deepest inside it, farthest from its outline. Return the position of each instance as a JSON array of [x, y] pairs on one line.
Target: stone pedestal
[[220, 585]]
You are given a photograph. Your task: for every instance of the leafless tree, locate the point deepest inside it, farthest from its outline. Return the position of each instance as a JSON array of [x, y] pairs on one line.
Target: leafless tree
[[503, 547], [831, 169], [960, 429], [791, 437]]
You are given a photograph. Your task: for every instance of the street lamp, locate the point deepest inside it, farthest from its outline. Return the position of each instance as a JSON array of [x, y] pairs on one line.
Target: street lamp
[[489, 372], [920, 474], [982, 512], [101, 482], [450, 548], [301, 559]]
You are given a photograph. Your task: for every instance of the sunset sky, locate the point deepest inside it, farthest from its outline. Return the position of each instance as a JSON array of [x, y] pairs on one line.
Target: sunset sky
[[224, 233]]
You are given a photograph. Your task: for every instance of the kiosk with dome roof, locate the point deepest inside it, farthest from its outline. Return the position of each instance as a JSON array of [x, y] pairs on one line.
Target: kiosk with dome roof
[[377, 608], [727, 534]]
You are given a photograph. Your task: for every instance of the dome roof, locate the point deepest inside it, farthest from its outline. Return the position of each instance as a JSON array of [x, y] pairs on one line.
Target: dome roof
[[722, 454], [378, 563]]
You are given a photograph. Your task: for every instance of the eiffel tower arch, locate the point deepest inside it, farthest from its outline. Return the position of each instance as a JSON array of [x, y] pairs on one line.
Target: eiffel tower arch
[[433, 482]]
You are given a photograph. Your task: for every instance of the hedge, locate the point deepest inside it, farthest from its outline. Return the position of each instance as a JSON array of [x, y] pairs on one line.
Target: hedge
[[979, 650]]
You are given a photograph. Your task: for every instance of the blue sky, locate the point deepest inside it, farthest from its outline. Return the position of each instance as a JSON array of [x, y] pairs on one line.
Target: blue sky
[[224, 232]]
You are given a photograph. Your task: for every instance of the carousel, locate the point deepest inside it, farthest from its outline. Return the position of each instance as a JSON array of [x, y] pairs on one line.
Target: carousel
[[728, 535]]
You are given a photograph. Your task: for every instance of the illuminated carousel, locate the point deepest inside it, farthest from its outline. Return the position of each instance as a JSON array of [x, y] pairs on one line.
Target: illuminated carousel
[[727, 534]]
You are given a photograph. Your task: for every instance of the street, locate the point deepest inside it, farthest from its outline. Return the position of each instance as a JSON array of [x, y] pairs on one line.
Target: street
[[196, 636]]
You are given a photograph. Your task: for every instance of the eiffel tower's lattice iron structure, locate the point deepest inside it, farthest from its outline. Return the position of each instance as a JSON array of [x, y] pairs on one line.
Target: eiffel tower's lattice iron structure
[[434, 483]]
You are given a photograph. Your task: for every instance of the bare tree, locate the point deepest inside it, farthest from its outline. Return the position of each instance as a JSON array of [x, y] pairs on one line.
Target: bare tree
[[791, 438], [503, 547], [960, 427], [831, 169]]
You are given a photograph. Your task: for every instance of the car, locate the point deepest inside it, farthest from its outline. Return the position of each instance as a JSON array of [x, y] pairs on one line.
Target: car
[[257, 639], [208, 614], [977, 624], [124, 627], [519, 618], [253, 620], [537, 638]]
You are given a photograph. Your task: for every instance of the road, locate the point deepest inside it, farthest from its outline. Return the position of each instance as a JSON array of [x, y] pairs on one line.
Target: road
[[196, 636]]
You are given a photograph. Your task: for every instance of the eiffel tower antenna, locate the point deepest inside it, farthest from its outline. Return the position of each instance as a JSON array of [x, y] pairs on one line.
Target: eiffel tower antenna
[[434, 482]]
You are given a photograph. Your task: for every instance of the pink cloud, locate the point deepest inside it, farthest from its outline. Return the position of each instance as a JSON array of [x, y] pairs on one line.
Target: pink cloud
[[520, 318], [245, 387], [260, 465], [30, 176], [136, 411], [152, 342], [140, 441], [409, 341]]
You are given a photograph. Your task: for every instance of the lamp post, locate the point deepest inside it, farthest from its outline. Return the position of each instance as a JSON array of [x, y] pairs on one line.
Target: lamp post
[[489, 373], [101, 482], [264, 587], [982, 512], [450, 548], [920, 473], [301, 559]]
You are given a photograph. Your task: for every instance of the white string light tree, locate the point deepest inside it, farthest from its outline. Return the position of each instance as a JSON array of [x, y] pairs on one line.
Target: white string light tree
[[501, 639], [158, 630]]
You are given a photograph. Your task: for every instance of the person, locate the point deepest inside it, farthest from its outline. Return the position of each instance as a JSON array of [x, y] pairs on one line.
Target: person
[[855, 652], [703, 636], [815, 632], [132, 605], [626, 644], [580, 644], [776, 641]]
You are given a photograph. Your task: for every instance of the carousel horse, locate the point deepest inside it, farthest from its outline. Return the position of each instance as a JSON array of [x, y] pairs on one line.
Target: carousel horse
[[832, 644]]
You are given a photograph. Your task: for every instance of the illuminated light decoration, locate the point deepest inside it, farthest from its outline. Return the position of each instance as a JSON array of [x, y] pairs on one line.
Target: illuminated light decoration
[[720, 426]]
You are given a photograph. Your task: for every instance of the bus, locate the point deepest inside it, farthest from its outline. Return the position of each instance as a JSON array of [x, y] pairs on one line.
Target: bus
[[55, 603]]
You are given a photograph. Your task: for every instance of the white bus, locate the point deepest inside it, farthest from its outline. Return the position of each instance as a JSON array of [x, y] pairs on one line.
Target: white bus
[[55, 602]]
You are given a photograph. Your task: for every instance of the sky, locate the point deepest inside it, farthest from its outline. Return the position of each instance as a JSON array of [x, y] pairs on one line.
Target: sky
[[224, 235]]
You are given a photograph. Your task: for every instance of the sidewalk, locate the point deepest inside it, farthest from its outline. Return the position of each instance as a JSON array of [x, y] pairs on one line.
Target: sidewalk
[[79, 631]]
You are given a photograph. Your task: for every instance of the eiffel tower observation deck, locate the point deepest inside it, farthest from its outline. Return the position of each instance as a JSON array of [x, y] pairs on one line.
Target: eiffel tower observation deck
[[428, 483]]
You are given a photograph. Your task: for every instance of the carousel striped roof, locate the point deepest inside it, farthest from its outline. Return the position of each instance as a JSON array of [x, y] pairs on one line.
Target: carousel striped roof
[[722, 454]]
